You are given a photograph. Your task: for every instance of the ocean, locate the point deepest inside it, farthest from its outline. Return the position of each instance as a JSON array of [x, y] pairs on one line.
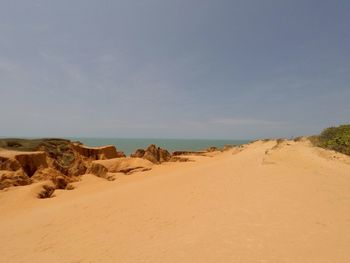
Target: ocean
[[129, 146]]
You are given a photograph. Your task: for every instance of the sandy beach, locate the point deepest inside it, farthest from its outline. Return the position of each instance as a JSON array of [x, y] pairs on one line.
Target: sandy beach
[[263, 202], [174, 131]]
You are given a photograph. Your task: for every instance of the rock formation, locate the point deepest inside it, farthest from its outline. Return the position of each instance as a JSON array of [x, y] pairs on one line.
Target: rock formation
[[61, 161], [13, 178], [46, 174], [59, 153], [46, 192], [23, 161], [62, 182], [97, 169], [154, 154], [98, 153], [125, 165], [29, 162]]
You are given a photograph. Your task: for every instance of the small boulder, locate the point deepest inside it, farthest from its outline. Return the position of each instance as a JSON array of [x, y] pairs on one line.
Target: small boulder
[[60, 182], [47, 192]]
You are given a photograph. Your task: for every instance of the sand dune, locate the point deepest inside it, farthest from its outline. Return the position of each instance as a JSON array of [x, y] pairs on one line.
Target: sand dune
[[268, 202]]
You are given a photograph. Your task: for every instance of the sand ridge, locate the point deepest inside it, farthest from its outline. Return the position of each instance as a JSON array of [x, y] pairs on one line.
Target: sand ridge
[[267, 202]]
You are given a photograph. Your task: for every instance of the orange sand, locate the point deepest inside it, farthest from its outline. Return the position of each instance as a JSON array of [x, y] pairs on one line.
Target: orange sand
[[286, 204]]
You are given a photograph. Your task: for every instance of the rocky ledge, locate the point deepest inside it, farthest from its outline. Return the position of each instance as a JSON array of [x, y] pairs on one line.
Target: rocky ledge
[[61, 161], [23, 161]]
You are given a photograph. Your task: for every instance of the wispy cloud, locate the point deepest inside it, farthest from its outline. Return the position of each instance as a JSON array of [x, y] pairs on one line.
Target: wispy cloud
[[245, 121]]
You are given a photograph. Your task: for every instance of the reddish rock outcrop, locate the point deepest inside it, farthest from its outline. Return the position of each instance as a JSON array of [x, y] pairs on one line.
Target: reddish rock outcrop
[[9, 164], [58, 160], [13, 178], [164, 155], [120, 154], [60, 154], [46, 192], [98, 153], [29, 162], [154, 154], [97, 169], [61, 182], [45, 174]]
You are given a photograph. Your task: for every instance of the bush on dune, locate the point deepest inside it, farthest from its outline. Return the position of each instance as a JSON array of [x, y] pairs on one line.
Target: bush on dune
[[334, 138]]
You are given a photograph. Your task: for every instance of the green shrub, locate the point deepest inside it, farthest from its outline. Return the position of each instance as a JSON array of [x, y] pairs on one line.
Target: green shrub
[[334, 138]]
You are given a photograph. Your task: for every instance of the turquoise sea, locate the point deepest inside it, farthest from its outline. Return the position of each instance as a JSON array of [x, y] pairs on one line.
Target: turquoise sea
[[129, 146]]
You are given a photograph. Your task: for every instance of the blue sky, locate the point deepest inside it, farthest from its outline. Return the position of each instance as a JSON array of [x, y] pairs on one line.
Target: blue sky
[[173, 68]]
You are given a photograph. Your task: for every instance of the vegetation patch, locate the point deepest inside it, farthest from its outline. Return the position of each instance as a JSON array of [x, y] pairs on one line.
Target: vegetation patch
[[334, 138]]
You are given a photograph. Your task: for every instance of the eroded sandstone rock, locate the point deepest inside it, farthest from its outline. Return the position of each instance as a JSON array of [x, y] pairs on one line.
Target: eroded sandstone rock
[[13, 178], [45, 174], [59, 152], [154, 154], [9, 164], [46, 192], [29, 162], [58, 160], [97, 169], [61, 182], [98, 153]]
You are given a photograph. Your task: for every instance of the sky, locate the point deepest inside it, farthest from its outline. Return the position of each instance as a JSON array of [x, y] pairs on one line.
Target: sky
[[219, 69]]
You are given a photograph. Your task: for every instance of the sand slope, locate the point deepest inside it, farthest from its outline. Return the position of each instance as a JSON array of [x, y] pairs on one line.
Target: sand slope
[[267, 203]]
